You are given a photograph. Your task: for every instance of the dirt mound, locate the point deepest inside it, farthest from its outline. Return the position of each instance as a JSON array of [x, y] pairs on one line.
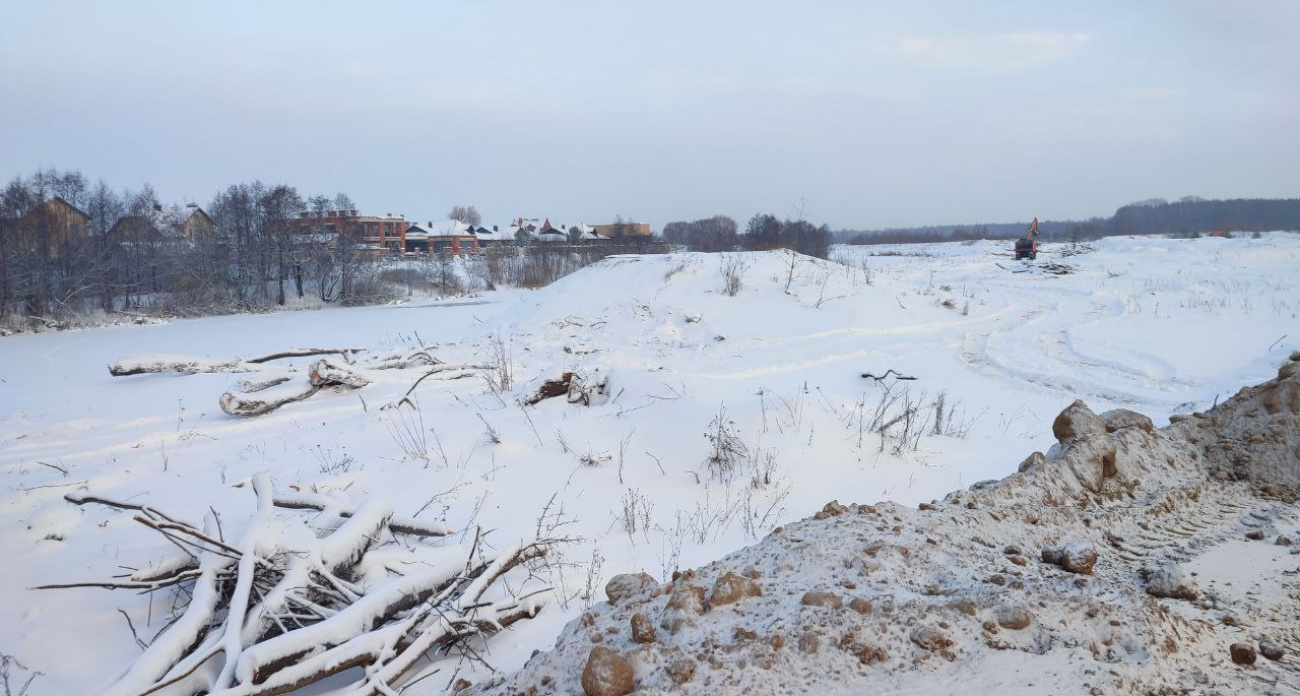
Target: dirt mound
[[1128, 560]]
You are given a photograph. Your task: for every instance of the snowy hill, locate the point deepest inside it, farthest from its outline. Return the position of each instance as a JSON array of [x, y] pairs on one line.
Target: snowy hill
[[717, 417]]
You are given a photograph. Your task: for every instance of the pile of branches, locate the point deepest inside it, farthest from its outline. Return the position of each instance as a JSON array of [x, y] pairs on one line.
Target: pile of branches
[[275, 385], [286, 605], [1076, 249]]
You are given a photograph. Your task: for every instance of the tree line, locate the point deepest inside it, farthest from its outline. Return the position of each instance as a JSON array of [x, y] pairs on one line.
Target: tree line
[[762, 232], [133, 254], [1188, 216], [70, 249]]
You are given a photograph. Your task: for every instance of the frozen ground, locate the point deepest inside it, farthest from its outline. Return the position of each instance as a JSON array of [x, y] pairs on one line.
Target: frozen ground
[[1158, 326]]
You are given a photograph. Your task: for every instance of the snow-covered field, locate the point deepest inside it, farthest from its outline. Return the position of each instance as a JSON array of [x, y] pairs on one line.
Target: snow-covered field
[[773, 374]]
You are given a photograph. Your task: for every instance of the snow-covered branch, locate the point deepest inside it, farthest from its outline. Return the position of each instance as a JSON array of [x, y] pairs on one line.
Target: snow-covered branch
[[285, 603]]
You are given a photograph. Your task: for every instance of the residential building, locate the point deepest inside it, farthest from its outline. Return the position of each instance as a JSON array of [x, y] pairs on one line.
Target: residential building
[[624, 229], [154, 226], [378, 234], [52, 226], [493, 237], [197, 225], [441, 237]]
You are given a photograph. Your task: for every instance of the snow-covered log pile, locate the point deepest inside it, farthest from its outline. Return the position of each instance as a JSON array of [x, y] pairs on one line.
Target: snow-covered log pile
[[289, 600], [277, 386], [1127, 560]]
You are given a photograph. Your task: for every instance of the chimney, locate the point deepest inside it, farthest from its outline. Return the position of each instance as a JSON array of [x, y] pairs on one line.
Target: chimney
[[494, 228], [354, 213]]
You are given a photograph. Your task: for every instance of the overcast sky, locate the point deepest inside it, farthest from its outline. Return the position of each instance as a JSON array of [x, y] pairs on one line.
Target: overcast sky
[[872, 113]]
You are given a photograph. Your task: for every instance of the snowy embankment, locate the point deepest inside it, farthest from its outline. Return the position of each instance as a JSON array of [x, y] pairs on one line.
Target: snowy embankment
[[724, 416], [1130, 561]]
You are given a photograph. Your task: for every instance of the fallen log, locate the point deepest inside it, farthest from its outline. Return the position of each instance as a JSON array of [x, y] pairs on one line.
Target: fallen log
[[178, 364], [320, 374], [323, 373], [191, 365], [235, 405]]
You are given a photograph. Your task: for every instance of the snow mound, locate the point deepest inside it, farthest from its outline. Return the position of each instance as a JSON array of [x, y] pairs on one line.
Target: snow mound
[[674, 312], [1034, 584]]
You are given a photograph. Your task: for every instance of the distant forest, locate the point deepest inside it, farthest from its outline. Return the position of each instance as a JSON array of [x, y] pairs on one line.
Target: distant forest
[[1190, 216]]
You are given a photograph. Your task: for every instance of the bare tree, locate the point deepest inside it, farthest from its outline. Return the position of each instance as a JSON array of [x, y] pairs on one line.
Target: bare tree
[[717, 233], [466, 214], [279, 207], [623, 228]]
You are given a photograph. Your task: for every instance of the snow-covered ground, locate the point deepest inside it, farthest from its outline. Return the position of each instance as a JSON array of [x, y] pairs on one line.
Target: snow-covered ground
[[774, 372]]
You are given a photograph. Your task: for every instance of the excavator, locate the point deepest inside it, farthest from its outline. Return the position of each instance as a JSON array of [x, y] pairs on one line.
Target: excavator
[[1027, 248]]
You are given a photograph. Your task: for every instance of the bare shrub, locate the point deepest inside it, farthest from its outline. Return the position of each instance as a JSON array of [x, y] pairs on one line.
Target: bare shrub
[[594, 573], [900, 417], [710, 518], [821, 293], [490, 433], [500, 376], [950, 420], [791, 261], [760, 509], [727, 451], [332, 462], [634, 514], [8, 665], [733, 270], [670, 547], [673, 270], [539, 265], [413, 279], [762, 468], [939, 403], [406, 426], [911, 423], [366, 287]]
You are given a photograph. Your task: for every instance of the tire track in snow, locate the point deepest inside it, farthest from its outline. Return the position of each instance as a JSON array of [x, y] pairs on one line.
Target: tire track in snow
[[1060, 367]]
